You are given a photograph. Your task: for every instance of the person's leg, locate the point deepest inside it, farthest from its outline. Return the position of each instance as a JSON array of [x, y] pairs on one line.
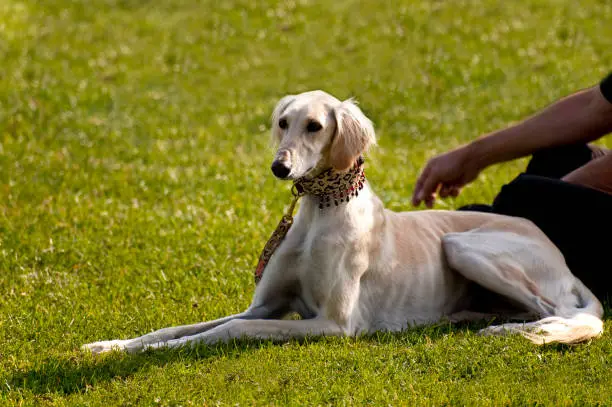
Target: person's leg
[[559, 161], [576, 219]]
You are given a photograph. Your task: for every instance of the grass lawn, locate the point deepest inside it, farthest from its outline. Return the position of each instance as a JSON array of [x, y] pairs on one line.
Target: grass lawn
[[135, 190]]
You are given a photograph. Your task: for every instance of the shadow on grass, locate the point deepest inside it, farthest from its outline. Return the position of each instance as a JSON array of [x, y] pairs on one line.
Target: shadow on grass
[[76, 374], [80, 373]]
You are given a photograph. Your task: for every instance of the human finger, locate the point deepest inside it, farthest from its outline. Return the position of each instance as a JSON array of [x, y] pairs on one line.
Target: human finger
[[454, 191], [418, 187], [445, 191], [429, 188], [429, 201]]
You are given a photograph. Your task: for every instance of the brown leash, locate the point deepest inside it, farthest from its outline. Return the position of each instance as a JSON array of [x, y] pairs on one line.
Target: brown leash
[[278, 235]]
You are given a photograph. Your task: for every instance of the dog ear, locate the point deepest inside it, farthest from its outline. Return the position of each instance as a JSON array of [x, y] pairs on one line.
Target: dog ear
[[354, 135], [280, 107]]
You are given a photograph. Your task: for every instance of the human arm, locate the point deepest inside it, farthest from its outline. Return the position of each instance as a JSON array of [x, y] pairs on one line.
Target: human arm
[[579, 118]]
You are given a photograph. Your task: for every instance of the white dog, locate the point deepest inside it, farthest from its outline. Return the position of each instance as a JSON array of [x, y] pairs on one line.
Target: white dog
[[348, 266]]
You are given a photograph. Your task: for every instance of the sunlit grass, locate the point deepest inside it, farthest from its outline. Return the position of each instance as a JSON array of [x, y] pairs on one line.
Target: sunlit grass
[[135, 190]]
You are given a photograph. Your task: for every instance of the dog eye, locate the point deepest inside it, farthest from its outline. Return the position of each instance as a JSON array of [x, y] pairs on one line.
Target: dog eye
[[282, 123], [313, 127]]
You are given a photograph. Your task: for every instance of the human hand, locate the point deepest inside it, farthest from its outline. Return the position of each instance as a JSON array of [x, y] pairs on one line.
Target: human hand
[[446, 173]]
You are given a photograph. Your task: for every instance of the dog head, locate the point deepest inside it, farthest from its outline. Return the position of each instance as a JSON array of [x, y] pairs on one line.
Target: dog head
[[316, 131]]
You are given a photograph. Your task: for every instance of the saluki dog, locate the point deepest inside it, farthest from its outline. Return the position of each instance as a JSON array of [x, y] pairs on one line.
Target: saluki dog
[[348, 266]]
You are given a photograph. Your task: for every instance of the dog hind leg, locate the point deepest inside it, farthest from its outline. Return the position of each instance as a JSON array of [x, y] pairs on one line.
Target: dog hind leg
[[530, 272]]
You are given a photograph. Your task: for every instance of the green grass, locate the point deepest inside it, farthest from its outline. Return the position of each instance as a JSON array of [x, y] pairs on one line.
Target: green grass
[[135, 190]]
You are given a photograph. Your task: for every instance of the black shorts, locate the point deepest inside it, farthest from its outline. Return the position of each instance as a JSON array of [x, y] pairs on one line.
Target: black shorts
[[577, 219]]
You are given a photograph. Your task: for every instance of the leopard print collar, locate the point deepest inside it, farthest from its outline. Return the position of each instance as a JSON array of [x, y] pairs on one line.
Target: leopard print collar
[[332, 186]]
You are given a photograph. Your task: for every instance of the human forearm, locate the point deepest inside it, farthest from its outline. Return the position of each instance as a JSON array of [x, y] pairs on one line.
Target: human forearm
[[579, 118]]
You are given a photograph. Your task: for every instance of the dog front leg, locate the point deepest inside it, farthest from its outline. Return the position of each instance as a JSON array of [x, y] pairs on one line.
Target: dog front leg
[[335, 321], [279, 330], [167, 334]]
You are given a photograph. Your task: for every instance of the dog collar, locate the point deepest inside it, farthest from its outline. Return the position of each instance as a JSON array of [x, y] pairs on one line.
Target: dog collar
[[333, 186], [328, 186]]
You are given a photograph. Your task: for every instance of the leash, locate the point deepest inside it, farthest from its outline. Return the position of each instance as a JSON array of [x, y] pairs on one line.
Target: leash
[[278, 235], [329, 186]]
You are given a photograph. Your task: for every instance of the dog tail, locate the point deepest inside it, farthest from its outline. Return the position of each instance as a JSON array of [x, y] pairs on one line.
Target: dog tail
[[572, 326], [579, 328]]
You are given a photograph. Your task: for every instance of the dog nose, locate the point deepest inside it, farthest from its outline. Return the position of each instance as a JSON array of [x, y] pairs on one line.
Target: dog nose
[[280, 170]]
